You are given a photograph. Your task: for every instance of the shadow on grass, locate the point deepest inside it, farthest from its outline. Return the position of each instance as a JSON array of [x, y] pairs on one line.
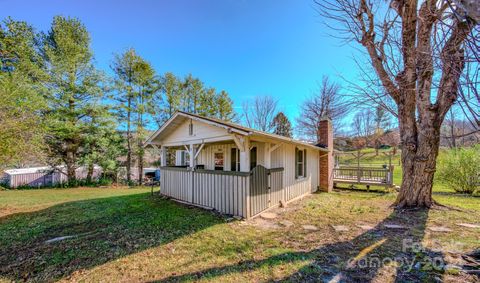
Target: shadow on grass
[[105, 229], [357, 260]]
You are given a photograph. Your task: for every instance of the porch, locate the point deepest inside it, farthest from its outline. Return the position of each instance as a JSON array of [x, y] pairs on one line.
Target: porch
[[243, 194]]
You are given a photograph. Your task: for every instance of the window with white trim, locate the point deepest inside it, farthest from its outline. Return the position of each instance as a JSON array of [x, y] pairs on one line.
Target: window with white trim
[[235, 159]]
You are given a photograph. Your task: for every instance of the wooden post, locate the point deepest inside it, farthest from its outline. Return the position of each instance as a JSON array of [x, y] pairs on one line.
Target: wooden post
[[243, 144], [191, 155], [163, 156]]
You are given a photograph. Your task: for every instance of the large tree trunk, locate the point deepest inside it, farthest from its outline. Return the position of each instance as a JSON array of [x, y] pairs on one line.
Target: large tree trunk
[[420, 145], [90, 172], [70, 163]]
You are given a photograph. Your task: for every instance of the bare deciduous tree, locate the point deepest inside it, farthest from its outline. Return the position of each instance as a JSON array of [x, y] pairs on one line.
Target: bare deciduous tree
[[259, 113], [418, 52], [364, 127], [327, 101]]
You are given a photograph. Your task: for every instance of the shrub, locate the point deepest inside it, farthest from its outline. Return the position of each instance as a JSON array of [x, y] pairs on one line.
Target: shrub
[[104, 182], [459, 168]]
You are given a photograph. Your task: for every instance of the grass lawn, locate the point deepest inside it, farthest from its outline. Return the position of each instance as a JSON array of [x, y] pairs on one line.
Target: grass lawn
[[129, 235]]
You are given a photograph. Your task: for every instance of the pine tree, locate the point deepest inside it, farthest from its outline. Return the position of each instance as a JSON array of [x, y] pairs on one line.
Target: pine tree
[[74, 91], [281, 125], [103, 144], [135, 89], [224, 107]]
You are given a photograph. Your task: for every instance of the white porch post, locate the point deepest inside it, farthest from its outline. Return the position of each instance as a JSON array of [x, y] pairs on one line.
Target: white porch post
[[243, 145], [245, 155], [191, 155], [163, 156]]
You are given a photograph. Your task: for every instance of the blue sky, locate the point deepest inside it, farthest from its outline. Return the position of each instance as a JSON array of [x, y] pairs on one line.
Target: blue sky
[[247, 47]]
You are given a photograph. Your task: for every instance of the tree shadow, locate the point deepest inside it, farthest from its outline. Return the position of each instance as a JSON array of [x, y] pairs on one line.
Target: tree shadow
[[358, 260], [104, 229]]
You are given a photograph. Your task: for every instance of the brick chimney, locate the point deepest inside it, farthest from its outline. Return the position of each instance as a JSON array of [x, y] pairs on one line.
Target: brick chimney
[[325, 131]]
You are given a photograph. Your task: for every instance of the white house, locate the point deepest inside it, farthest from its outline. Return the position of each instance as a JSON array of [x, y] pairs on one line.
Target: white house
[[237, 170]]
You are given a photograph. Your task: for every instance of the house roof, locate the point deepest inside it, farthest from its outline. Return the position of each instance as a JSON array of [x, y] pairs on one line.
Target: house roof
[[180, 116], [27, 170], [42, 169]]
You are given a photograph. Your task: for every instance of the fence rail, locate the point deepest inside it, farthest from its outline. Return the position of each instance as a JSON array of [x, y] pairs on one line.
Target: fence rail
[[363, 175]]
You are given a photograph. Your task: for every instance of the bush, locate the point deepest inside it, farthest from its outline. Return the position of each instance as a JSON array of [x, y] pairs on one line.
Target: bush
[[459, 168], [104, 182]]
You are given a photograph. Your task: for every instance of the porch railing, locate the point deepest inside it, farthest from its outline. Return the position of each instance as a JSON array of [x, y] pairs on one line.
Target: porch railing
[[363, 175], [223, 191]]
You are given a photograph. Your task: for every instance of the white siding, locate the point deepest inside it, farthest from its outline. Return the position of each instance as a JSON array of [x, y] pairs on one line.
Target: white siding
[[277, 157], [284, 156], [181, 135], [297, 187]]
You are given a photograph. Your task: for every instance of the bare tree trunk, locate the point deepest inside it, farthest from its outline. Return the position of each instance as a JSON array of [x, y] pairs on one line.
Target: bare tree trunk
[[419, 155], [140, 169]]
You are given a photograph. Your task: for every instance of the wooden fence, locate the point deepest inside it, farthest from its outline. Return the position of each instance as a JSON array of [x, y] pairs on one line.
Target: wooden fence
[[223, 191], [227, 192]]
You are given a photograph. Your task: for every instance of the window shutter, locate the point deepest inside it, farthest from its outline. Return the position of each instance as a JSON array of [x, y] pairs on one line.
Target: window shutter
[[304, 163], [296, 163]]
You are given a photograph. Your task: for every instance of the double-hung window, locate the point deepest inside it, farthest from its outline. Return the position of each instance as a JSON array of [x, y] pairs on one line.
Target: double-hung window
[[300, 163], [235, 159]]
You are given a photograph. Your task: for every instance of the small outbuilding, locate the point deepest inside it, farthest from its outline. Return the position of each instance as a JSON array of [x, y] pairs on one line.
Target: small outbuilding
[[236, 170], [42, 176]]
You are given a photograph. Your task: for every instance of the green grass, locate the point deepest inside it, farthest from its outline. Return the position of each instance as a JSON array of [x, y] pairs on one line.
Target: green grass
[[129, 235]]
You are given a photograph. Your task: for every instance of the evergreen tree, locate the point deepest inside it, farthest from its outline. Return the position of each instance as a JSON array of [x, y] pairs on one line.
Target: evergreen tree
[[135, 89], [147, 86], [74, 91], [124, 68], [190, 95], [21, 93], [103, 145], [168, 100], [281, 125], [224, 107], [208, 103]]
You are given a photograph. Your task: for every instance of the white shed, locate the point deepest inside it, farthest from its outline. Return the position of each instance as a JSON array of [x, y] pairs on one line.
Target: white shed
[[43, 176], [237, 170]]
